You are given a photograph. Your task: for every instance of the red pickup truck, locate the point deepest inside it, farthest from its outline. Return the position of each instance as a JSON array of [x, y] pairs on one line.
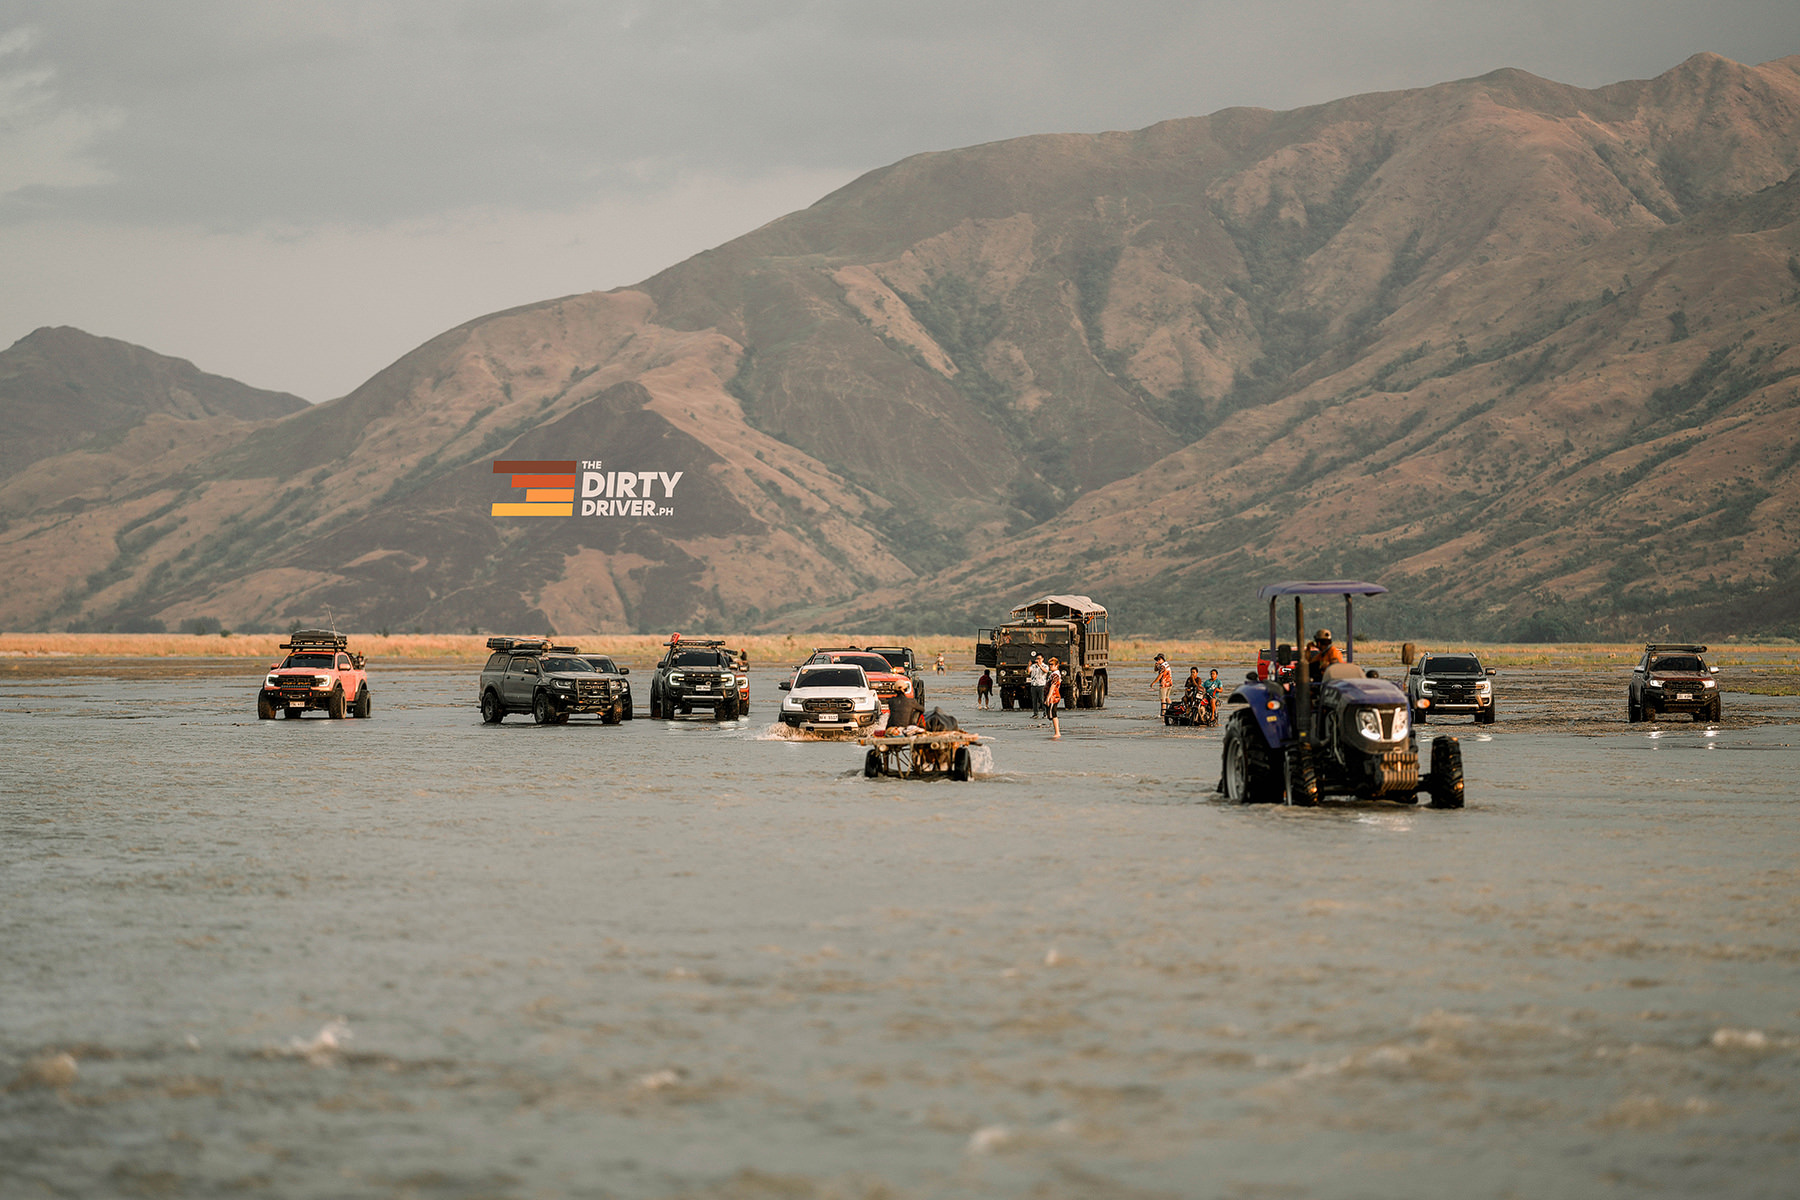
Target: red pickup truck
[[319, 672]]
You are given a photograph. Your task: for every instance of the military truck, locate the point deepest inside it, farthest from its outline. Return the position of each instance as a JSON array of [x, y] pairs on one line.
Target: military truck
[[1070, 629]]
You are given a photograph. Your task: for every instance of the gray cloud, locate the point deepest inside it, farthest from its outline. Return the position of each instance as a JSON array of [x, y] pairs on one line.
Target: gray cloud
[[233, 115]]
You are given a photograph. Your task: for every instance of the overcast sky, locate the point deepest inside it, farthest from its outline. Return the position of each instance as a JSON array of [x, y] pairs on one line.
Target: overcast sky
[[297, 193]]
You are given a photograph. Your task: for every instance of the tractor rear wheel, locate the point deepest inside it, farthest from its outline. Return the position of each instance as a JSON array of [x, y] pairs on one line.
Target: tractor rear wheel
[[1250, 773]]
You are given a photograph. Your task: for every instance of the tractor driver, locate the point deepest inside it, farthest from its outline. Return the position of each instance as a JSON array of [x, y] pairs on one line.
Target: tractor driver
[[1322, 653]]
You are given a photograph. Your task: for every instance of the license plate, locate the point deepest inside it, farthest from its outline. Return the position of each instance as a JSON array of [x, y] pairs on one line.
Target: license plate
[[827, 716], [1684, 695]]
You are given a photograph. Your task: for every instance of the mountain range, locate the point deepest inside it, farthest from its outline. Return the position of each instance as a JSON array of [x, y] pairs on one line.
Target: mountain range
[[1524, 352]]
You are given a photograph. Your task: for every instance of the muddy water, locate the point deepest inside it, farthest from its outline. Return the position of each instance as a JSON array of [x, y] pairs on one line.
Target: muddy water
[[415, 956]]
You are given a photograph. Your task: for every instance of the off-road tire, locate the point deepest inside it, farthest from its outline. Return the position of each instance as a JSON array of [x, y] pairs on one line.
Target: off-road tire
[[1633, 713], [1487, 715], [541, 711], [1445, 782], [1421, 716], [265, 711], [1716, 709], [492, 711], [364, 705], [656, 706], [1099, 691], [1006, 699], [1301, 777], [613, 715], [959, 764], [1248, 770], [334, 707], [871, 764]]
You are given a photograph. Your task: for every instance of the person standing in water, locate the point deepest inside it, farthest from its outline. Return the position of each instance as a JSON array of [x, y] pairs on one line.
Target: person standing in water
[[1053, 697]]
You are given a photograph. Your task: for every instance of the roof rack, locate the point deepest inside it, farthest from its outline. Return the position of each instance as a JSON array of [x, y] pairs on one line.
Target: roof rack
[[1684, 647], [565, 649], [536, 645], [703, 643], [315, 639]]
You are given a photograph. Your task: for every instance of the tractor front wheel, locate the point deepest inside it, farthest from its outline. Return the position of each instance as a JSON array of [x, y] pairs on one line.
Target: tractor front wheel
[[1445, 783]]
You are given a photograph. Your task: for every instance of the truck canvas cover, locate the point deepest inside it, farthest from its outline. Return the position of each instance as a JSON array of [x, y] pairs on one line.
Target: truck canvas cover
[[1060, 608]]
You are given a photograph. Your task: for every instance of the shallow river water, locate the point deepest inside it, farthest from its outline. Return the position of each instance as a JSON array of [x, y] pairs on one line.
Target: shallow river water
[[417, 956]]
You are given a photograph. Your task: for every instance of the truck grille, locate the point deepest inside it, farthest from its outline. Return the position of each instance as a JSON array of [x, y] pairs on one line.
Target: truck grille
[[837, 704], [886, 689], [1452, 693]]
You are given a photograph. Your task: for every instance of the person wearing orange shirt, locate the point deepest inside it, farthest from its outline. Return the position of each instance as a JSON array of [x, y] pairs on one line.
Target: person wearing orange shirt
[[1322, 653]]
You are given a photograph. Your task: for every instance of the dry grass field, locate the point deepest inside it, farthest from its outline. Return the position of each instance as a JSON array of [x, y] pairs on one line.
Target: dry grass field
[[1777, 658]]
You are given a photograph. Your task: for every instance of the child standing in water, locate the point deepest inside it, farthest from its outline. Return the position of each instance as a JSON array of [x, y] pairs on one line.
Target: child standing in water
[[1053, 697]]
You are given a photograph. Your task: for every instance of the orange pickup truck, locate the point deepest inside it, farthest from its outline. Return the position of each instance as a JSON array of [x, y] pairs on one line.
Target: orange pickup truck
[[319, 672]]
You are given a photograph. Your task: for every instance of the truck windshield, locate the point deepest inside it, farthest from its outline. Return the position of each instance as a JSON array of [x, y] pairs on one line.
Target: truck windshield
[[1685, 664], [833, 677], [1453, 664], [696, 658], [315, 661], [868, 662], [565, 664]]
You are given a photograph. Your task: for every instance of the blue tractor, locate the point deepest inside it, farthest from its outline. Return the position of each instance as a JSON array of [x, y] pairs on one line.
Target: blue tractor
[[1296, 738]]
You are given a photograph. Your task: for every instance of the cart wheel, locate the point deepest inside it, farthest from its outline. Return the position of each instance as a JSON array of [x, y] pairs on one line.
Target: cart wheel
[[872, 764], [959, 765]]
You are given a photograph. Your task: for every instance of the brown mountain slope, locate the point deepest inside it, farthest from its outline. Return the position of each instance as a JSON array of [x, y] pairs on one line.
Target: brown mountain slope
[[1454, 336], [61, 389]]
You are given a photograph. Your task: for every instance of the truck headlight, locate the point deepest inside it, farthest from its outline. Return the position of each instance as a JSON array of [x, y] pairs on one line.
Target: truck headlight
[[563, 684], [1424, 685], [868, 704], [676, 677], [321, 680], [1708, 683], [1484, 687], [1653, 682], [271, 681]]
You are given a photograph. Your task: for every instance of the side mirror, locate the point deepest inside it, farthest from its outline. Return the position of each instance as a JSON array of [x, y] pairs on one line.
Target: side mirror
[[1714, 670], [1284, 655], [1490, 670], [785, 686], [624, 670], [1414, 671]]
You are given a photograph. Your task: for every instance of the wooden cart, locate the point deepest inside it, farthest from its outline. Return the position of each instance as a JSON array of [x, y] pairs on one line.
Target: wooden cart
[[920, 755]]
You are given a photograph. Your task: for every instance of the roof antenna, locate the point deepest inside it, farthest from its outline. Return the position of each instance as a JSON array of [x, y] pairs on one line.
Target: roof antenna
[[330, 619]]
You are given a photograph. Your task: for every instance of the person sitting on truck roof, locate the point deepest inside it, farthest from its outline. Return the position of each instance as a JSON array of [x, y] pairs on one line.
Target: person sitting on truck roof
[[1322, 653]]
